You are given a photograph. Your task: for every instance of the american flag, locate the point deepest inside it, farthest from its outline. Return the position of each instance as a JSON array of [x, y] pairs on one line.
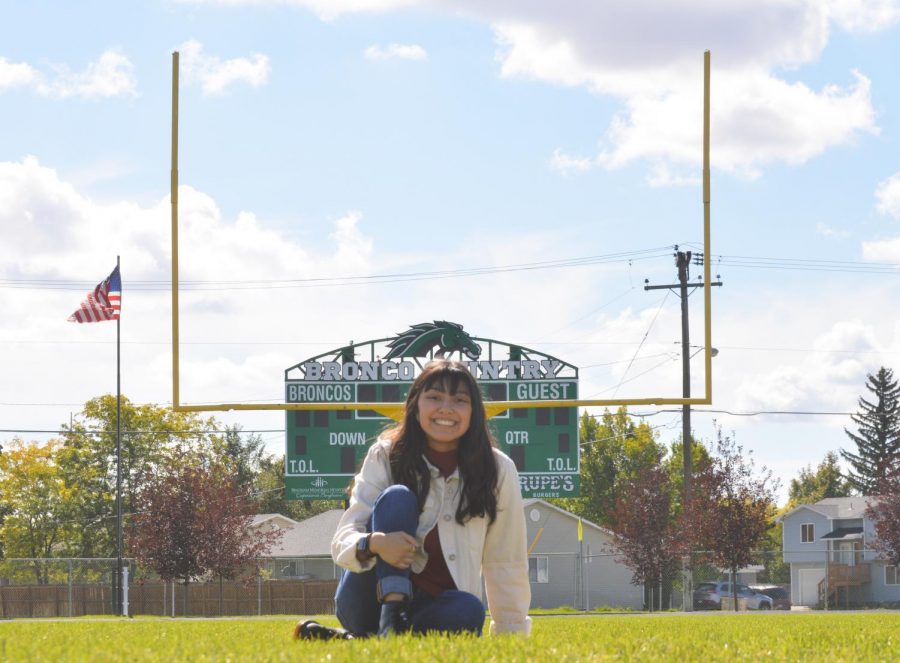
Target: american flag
[[103, 303]]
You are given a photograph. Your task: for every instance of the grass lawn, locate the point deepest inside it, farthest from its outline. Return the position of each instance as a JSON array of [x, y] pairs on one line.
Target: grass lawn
[[862, 636]]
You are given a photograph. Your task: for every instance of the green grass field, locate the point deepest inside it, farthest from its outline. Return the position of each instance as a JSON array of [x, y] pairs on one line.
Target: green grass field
[[863, 636]]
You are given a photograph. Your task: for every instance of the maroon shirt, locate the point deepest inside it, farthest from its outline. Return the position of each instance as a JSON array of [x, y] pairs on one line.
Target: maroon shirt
[[435, 577]]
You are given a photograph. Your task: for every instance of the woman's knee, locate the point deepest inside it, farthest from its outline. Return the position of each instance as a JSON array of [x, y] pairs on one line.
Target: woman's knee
[[396, 509], [474, 610], [469, 611], [397, 497], [396, 492]]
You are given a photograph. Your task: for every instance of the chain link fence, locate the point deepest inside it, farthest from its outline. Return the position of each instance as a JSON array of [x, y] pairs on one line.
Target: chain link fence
[[72, 587], [812, 578], [816, 578]]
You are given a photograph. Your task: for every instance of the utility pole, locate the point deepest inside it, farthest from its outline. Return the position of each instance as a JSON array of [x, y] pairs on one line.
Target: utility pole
[[683, 262]]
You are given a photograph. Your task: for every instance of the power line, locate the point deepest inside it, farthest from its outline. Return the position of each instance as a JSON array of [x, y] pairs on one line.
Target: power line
[[37, 431], [751, 413], [740, 261], [803, 264], [641, 344], [273, 284]]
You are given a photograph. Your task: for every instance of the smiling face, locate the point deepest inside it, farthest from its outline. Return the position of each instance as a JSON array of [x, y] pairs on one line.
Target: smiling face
[[444, 416]]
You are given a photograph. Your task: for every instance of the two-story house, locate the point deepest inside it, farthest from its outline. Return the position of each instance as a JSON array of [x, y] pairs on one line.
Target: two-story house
[[832, 562]]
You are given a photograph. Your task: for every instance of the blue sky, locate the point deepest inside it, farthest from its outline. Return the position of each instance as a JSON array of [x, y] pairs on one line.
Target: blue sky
[[336, 138]]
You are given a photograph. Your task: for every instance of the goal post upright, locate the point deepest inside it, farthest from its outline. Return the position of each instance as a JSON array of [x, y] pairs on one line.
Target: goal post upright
[[707, 270]]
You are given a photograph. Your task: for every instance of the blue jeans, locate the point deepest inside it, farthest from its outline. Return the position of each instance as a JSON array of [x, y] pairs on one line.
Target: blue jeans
[[357, 605]]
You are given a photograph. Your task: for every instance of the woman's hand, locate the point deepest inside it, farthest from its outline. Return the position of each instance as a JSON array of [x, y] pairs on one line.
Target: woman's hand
[[395, 548]]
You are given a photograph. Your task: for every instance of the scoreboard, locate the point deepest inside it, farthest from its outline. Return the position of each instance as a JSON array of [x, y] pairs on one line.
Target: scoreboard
[[325, 448]]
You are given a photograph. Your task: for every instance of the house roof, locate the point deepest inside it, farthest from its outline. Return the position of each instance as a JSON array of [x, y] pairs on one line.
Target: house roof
[[585, 522], [310, 537], [843, 507], [835, 508], [845, 534], [261, 518]]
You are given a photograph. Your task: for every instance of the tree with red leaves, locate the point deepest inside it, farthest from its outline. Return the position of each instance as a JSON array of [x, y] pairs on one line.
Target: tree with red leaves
[[731, 507], [884, 511], [645, 531], [194, 520]]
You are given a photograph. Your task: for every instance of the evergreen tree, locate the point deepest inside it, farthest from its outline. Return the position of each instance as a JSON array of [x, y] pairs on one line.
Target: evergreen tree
[[826, 480], [878, 436]]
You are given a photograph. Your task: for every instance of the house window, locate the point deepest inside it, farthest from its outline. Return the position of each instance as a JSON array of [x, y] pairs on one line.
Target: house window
[[539, 569], [808, 533], [892, 575]]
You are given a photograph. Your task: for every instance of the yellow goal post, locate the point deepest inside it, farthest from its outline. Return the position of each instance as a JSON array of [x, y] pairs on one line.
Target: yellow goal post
[[395, 410]]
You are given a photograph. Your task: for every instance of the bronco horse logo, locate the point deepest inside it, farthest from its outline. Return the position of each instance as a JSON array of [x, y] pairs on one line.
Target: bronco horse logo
[[419, 339]]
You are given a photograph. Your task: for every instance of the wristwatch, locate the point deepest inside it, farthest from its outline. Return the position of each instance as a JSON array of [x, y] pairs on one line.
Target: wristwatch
[[362, 547]]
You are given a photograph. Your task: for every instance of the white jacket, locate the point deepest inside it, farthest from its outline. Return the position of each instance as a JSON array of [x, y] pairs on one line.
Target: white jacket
[[497, 551]]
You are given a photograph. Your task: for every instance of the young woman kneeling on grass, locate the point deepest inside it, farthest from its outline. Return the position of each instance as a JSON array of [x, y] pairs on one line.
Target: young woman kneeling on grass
[[434, 508]]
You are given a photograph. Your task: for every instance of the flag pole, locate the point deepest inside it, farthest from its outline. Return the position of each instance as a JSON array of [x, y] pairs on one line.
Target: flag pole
[[173, 195], [118, 585]]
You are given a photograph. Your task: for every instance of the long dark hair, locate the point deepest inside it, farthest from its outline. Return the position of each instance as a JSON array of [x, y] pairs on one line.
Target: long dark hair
[[477, 467]]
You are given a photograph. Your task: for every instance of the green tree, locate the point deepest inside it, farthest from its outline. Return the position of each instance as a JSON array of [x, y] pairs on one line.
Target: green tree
[[614, 450], [244, 453], [38, 503], [152, 437], [878, 433], [270, 493], [700, 460], [826, 480]]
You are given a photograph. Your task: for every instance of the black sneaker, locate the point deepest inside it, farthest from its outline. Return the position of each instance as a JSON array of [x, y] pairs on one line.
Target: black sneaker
[[394, 619], [313, 630]]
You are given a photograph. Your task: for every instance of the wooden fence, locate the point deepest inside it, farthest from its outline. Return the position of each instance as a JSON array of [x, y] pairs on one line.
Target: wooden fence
[[212, 599]]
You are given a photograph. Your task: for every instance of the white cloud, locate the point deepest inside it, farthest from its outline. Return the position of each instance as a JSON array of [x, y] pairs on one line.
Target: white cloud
[[63, 234], [13, 74], [396, 52], [214, 75], [354, 247], [757, 117], [629, 50], [888, 195], [864, 15], [632, 50], [327, 10], [827, 231], [830, 373], [662, 176], [565, 163], [239, 330], [757, 120], [112, 75]]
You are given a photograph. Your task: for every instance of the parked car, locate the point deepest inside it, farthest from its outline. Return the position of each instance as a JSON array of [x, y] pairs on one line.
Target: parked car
[[708, 596], [781, 597]]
